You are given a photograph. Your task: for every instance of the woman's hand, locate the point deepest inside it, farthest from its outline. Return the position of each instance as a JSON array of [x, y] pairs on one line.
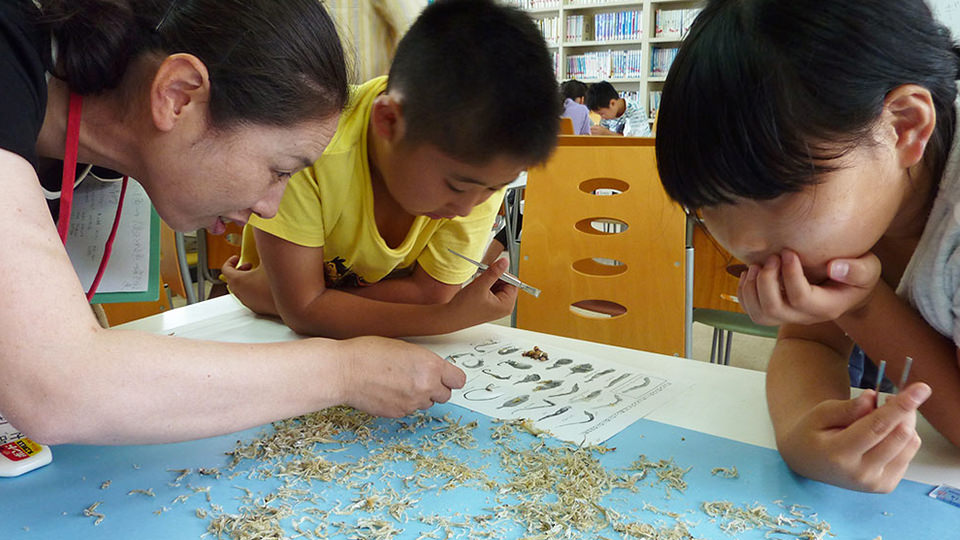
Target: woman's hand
[[485, 299], [250, 285], [778, 292], [851, 444], [392, 378]]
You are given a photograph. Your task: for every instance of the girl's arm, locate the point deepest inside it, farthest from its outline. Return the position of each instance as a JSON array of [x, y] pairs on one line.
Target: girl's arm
[[417, 288], [296, 279], [64, 379], [887, 328]]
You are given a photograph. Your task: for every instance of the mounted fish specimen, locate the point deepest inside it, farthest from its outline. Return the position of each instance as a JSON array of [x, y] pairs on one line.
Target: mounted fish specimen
[[601, 374], [574, 390], [494, 375], [561, 362], [514, 402], [581, 368], [558, 412], [547, 385], [529, 378], [515, 364]]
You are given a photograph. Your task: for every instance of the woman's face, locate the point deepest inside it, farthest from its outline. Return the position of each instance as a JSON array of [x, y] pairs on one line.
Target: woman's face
[[230, 174], [842, 216]]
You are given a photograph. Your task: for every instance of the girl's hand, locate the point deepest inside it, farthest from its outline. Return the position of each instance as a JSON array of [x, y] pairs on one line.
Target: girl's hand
[[779, 293], [250, 285], [485, 299], [853, 445]]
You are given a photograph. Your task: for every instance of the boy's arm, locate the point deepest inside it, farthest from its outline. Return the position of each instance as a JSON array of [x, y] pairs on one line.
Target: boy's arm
[[822, 433], [295, 275]]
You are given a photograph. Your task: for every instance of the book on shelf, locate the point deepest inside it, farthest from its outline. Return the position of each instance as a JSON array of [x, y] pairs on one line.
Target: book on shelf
[[674, 23], [610, 64], [661, 58]]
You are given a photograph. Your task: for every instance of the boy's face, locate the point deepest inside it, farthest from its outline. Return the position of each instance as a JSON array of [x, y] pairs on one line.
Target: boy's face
[[427, 182], [609, 112]]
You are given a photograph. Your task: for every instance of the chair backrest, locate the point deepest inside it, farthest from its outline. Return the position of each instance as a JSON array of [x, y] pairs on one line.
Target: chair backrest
[[170, 268], [566, 126], [569, 248]]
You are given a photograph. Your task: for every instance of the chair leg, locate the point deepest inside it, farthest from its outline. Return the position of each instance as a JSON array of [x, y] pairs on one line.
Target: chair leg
[[713, 347], [726, 356]]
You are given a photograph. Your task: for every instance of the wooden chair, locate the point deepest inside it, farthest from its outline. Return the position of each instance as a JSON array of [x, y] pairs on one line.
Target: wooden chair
[[570, 251], [566, 126], [713, 291], [214, 250]]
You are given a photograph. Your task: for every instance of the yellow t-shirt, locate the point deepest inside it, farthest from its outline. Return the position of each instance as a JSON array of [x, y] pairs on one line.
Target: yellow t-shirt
[[330, 205]]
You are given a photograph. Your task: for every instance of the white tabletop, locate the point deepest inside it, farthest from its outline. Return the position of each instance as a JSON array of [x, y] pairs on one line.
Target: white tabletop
[[723, 401]]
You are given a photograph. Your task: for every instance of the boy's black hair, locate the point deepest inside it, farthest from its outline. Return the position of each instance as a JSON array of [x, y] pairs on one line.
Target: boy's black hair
[[765, 95], [477, 81], [599, 95], [572, 89]]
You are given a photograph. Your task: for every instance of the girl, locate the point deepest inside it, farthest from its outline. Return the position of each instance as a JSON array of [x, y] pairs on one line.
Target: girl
[[815, 139], [211, 105]]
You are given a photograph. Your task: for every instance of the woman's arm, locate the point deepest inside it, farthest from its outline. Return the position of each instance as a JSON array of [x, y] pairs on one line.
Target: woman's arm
[[64, 379]]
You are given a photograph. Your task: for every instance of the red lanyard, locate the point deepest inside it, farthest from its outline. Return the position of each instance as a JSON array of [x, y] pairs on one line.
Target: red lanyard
[[66, 189]]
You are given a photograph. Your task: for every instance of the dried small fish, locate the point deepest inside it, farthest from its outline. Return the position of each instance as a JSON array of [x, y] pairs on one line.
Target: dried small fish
[[574, 390], [510, 349], [601, 374], [91, 511], [494, 375], [613, 403], [533, 407], [537, 354], [589, 419], [558, 412], [486, 394], [646, 381], [547, 385], [618, 379], [515, 401], [478, 363], [581, 368], [486, 345], [529, 378], [515, 364], [589, 396], [561, 362], [453, 358]]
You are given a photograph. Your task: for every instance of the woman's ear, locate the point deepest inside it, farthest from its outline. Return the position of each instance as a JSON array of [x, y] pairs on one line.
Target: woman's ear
[[386, 118], [910, 112], [180, 91]]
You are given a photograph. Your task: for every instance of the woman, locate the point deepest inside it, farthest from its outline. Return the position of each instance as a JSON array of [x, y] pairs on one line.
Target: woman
[[210, 105], [816, 140]]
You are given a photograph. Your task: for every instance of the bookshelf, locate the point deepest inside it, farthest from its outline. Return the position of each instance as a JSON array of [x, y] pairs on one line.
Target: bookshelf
[[613, 40]]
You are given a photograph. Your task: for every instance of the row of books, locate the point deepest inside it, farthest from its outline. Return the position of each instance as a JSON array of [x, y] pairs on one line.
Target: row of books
[[655, 96], [549, 28], [661, 58], [533, 4], [674, 23], [619, 25], [623, 64]]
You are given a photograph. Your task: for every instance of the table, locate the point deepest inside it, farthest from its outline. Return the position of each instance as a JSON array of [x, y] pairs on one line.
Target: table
[[720, 421]]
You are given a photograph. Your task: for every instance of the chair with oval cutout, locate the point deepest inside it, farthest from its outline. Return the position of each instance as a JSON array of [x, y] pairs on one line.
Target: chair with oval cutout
[[606, 245]]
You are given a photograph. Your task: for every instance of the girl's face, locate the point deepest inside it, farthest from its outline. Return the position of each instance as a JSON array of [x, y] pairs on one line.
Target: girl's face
[[228, 175], [842, 216]]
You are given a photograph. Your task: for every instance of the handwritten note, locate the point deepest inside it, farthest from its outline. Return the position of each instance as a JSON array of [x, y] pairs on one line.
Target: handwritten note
[[94, 208]]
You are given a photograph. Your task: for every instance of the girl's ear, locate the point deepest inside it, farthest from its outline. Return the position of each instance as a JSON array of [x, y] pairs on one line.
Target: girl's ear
[[387, 118], [910, 112]]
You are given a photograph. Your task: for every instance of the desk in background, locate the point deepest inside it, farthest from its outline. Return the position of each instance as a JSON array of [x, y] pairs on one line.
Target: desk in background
[[720, 422]]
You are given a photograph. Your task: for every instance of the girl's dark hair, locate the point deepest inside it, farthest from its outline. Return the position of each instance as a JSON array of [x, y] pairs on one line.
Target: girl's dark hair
[[477, 81], [572, 89], [765, 95], [273, 62]]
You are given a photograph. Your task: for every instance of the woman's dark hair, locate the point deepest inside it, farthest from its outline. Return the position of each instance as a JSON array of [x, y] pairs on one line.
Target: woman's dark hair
[[273, 62], [765, 95], [572, 89], [477, 81], [599, 95]]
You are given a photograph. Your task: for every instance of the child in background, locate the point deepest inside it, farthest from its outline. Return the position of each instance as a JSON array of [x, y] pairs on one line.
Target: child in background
[[836, 177], [620, 117], [417, 166], [572, 94]]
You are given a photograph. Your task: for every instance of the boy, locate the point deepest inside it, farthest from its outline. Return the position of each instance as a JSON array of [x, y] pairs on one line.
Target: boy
[[619, 116], [360, 243]]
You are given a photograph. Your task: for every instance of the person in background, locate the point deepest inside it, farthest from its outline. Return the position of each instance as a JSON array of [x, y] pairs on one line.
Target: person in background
[[361, 242], [371, 29], [572, 95], [620, 117], [838, 182], [211, 105]]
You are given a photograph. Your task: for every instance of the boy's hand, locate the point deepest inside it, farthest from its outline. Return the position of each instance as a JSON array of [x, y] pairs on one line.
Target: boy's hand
[[392, 378], [778, 292], [485, 299], [851, 444], [600, 130], [250, 285]]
